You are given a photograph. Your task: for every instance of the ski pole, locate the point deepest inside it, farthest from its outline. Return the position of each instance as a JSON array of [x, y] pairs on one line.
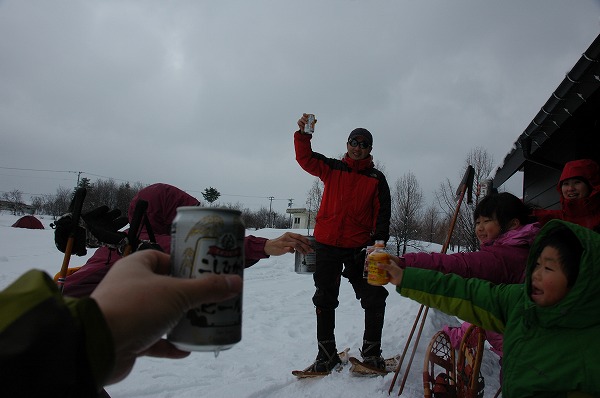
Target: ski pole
[[465, 187], [401, 360], [75, 214]]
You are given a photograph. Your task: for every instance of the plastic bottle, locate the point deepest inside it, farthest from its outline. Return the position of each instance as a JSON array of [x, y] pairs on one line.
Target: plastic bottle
[[378, 277]]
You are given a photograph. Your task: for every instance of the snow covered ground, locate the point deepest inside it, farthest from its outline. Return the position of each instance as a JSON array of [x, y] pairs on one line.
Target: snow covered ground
[[278, 333]]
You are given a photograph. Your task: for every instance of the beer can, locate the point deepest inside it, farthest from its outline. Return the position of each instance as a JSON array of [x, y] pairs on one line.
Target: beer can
[[306, 263], [208, 241], [309, 127]]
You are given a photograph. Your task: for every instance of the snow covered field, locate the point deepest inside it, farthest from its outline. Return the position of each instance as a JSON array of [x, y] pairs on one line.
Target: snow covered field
[[278, 333]]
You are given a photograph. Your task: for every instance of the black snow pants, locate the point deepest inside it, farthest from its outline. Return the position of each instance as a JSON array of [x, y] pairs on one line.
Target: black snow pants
[[331, 264]]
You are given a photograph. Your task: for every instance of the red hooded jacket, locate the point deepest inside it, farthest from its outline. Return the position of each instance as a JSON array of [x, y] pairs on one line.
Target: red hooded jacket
[[163, 201], [356, 205], [582, 211]]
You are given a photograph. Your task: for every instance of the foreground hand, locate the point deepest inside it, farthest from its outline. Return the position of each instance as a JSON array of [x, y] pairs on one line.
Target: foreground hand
[[289, 242], [393, 269], [141, 303]]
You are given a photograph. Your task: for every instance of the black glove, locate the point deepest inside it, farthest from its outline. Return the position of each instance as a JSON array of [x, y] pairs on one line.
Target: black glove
[[147, 245], [62, 229], [105, 224]]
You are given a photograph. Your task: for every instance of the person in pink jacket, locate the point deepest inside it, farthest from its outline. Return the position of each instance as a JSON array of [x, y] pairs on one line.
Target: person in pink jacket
[[505, 234], [163, 201], [579, 189]]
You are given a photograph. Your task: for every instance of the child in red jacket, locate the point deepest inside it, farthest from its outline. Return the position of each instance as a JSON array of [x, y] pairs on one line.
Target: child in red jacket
[[579, 187]]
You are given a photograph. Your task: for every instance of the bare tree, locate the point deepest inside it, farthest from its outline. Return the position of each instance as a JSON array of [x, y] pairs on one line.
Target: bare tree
[[102, 193], [313, 200], [250, 219], [263, 217], [432, 225], [407, 204], [483, 164], [37, 202], [464, 230], [15, 199], [58, 204]]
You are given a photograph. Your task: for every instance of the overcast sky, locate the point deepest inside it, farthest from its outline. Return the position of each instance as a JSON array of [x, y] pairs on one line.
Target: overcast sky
[[205, 94]]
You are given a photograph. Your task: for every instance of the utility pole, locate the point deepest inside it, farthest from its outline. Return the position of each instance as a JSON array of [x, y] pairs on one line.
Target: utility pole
[[289, 207], [270, 211]]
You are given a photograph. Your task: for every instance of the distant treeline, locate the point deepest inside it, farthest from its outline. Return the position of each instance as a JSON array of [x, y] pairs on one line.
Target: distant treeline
[[118, 196]]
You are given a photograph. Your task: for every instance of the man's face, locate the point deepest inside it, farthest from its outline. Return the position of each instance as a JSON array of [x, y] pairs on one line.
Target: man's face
[[355, 148]]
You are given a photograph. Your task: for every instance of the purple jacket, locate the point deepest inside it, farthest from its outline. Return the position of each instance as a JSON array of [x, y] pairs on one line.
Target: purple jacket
[[163, 201], [499, 261]]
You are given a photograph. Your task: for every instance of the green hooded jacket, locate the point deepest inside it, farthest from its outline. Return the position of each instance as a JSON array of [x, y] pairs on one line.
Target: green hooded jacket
[[50, 345], [548, 351]]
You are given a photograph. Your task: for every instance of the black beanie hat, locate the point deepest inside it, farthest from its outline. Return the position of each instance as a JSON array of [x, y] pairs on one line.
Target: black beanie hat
[[362, 133]]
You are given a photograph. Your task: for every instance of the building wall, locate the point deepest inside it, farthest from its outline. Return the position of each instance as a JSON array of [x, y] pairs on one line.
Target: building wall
[[300, 219]]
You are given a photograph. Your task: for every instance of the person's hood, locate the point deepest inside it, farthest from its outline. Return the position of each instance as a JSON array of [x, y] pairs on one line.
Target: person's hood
[[523, 235], [581, 306], [163, 201], [582, 168]]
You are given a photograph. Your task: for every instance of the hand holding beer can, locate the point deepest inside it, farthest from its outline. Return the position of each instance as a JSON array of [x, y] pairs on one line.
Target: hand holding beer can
[[208, 241], [309, 127]]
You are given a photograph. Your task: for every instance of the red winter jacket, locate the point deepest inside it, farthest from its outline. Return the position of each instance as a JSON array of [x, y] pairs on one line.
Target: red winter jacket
[[356, 206], [163, 201], [582, 211]]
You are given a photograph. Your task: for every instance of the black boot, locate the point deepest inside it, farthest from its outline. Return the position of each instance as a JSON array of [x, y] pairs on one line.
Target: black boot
[[327, 358], [371, 354]]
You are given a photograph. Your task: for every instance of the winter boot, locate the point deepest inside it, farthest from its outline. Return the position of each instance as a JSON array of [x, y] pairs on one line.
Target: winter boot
[[327, 358], [371, 354]]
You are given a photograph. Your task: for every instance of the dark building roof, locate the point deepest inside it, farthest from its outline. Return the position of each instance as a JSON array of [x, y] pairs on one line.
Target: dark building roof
[[566, 127]]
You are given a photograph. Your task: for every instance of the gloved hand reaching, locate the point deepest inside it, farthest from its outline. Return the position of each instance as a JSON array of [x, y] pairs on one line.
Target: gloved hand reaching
[[62, 228], [105, 224], [101, 222]]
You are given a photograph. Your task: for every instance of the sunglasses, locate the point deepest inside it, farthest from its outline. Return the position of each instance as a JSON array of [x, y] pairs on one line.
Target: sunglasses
[[362, 144]]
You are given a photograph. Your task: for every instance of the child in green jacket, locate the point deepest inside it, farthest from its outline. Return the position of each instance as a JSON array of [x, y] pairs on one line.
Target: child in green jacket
[[550, 323]]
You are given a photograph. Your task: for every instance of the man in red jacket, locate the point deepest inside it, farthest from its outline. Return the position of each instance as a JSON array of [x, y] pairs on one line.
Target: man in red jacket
[[354, 212]]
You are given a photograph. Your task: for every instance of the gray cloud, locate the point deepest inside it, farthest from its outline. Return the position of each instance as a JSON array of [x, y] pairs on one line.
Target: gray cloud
[[203, 93]]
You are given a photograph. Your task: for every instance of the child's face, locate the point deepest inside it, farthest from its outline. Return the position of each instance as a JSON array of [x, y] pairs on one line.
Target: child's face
[[548, 281], [487, 228], [574, 188]]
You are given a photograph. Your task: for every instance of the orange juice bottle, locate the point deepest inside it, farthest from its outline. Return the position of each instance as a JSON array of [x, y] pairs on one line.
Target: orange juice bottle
[[378, 276]]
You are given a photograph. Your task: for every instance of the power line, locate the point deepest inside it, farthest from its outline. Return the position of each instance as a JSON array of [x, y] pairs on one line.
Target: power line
[[51, 171], [79, 173]]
